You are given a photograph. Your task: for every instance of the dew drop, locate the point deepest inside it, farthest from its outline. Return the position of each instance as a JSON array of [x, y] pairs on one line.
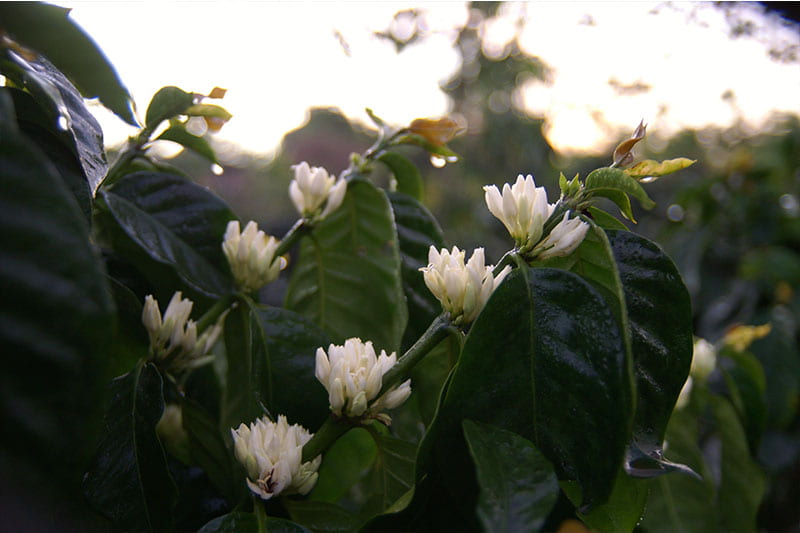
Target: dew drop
[[647, 179], [62, 123], [217, 170], [438, 161]]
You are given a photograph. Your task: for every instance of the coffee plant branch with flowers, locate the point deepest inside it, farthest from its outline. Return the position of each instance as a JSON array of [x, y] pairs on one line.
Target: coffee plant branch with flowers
[[404, 385]]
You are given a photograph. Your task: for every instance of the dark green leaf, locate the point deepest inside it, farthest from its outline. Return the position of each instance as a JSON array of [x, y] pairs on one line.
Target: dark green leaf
[[168, 102], [747, 385], [392, 473], [347, 278], [417, 231], [161, 227], [546, 360], [742, 482], [405, 173], [242, 401], [344, 465], [236, 522], [199, 145], [192, 213], [68, 115], [128, 481], [286, 343], [780, 360], [49, 30], [518, 485], [659, 312], [604, 220], [614, 184], [623, 510], [320, 517], [207, 447], [56, 320]]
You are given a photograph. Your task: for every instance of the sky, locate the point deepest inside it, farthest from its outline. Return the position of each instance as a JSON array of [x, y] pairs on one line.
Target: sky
[[611, 63]]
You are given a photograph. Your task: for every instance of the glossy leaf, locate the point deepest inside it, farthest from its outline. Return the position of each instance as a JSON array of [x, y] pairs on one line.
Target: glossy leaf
[[163, 230], [518, 487], [614, 184], [235, 522], [56, 321], [405, 173], [287, 343], [659, 313], [48, 29], [557, 364], [128, 481], [242, 400], [207, 446], [650, 168], [320, 516], [347, 278], [623, 510], [344, 465], [604, 220], [392, 474], [168, 102], [198, 145], [68, 114], [417, 231]]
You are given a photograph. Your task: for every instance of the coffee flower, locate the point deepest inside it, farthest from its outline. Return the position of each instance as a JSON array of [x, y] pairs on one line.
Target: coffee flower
[[704, 360], [251, 256], [314, 193], [173, 339], [353, 375], [271, 453], [462, 289], [563, 239], [524, 210]]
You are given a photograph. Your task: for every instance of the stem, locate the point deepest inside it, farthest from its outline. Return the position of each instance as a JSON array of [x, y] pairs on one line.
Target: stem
[[507, 259], [213, 314], [435, 333], [295, 233], [331, 430], [261, 514]]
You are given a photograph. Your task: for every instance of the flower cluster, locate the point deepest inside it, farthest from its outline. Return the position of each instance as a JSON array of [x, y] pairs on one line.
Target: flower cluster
[[271, 453], [524, 210], [314, 193], [462, 288], [173, 340], [353, 375], [251, 256]]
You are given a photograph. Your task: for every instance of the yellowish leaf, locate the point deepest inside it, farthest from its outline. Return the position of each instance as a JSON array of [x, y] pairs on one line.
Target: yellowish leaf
[[437, 132], [741, 337], [651, 168]]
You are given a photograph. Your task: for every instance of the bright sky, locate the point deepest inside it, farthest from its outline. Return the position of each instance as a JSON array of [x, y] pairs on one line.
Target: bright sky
[[279, 59]]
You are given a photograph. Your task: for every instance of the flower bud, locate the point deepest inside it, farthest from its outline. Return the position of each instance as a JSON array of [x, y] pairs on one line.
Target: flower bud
[[562, 239], [271, 454], [437, 132], [314, 193], [462, 289], [353, 376], [522, 208], [251, 256]]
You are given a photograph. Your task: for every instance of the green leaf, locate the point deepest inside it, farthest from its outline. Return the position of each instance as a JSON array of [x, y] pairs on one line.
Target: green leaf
[[207, 447], [417, 231], [191, 212], [199, 145], [176, 231], [242, 401], [623, 510], [604, 220], [287, 343], [742, 482], [392, 474], [167, 103], [518, 485], [344, 465], [320, 516], [56, 322], [235, 522], [614, 184], [747, 387], [49, 30], [405, 172], [555, 347], [662, 348], [68, 114], [347, 278], [128, 481]]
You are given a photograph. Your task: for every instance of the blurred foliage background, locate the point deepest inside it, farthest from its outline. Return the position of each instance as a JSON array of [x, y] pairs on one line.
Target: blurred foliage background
[[731, 221]]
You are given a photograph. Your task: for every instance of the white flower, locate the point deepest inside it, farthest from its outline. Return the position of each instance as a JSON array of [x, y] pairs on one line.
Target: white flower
[[522, 208], [174, 340], [314, 193], [685, 394], [271, 453], [704, 359], [353, 375], [251, 256], [462, 289], [563, 239]]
